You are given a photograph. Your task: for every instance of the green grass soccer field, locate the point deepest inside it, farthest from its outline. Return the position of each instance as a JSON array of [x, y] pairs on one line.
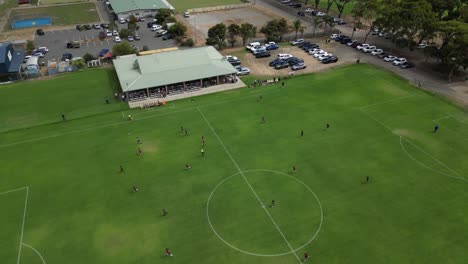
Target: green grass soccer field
[[63, 198], [183, 5]]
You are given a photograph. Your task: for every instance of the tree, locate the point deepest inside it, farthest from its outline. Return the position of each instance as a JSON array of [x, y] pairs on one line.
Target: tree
[[178, 29], [88, 57], [132, 24], [162, 15], [317, 2], [233, 31], [217, 36], [329, 21], [297, 24], [445, 8], [329, 5], [453, 52], [124, 33], [247, 31], [113, 25], [123, 48], [317, 21], [364, 14], [30, 46], [283, 28], [270, 29], [341, 5]]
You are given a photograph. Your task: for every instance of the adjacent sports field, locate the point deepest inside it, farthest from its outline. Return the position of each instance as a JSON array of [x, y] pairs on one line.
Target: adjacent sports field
[[61, 15], [63, 199], [49, 2], [183, 5]]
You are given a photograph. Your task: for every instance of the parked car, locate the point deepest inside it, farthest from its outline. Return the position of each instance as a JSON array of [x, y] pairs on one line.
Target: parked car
[[377, 52], [362, 46], [320, 53], [108, 33], [105, 25], [407, 65], [242, 70], [96, 26], [40, 32], [150, 24], [155, 27], [351, 42], [313, 51], [330, 59], [399, 61], [320, 14], [117, 39], [115, 33], [87, 27], [345, 40], [293, 61], [67, 56], [141, 19], [161, 33], [334, 36], [73, 45], [355, 44], [382, 55], [286, 1], [421, 46], [103, 52], [122, 20], [43, 49], [186, 14], [79, 27], [390, 58], [271, 46], [167, 36], [38, 54], [296, 5], [324, 56], [368, 49], [262, 54], [296, 42], [258, 49], [284, 56], [233, 60], [130, 38], [282, 65], [137, 37], [275, 61], [299, 66], [252, 45], [300, 13], [308, 10]]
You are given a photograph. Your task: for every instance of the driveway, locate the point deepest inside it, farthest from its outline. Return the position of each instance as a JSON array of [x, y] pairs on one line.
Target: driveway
[[56, 41]]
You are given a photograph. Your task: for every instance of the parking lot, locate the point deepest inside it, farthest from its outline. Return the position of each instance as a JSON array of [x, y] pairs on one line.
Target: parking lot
[[204, 21], [90, 43]]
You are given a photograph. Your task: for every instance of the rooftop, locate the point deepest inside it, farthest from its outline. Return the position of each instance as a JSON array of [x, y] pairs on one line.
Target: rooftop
[[121, 6], [141, 72]]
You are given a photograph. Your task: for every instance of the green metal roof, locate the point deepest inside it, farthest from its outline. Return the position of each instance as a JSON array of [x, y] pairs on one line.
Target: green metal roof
[[121, 6], [141, 72]]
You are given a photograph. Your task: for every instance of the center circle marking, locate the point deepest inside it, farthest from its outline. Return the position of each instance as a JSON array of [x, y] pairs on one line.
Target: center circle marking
[[256, 254]]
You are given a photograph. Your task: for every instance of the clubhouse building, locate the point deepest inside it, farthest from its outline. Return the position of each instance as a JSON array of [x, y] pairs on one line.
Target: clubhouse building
[[139, 8], [172, 75]]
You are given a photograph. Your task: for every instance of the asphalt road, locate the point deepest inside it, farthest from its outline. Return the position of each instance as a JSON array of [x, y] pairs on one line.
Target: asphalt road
[[56, 41]]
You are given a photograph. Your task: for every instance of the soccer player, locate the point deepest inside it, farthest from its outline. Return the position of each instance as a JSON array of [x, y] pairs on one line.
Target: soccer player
[[327, 126], [138, 140], [273, 203], [107, 100], [63, 117], [306, 257], [282, 84], [367, 179], [140, 152], [187, 166], [181, 129], [203, 152], [130, 118], [121, 168], [263, 119], [164, 212], [294, 169], [135, 189], [436, 128], [168, 252], [260, 98], [186, 132], [302, 133]]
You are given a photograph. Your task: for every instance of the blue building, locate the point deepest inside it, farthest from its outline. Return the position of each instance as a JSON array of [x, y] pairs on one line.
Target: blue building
[[10, 61]]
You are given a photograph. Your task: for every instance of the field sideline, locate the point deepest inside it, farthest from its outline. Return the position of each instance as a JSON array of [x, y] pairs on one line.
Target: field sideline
[[62, 194]]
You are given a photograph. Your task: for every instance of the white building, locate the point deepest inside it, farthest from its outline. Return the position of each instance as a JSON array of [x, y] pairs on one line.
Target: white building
[[139, 8]]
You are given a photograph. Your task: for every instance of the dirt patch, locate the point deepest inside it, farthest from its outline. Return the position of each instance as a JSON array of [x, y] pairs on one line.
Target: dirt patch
[[260, 67]]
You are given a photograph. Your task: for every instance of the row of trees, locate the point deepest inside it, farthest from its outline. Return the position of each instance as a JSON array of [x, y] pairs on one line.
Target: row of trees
[[411, 22], [340, 5], [218, 34]]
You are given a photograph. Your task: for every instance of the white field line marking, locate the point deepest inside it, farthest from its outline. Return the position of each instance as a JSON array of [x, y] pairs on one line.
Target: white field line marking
[[416, 146], [250, 186], [387, 101], [441, 118], [427, 167], [37, 252], [22, 225], [117, 123], [14, 190]]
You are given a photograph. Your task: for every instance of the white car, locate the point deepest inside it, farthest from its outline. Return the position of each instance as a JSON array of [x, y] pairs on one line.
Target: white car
[[186, 14], [284, 56], [308, 10], [369, 49], [117, 39], [351, 42], [399, 61], [320, 14], [43, 49], [296, 42], [156, 27], [422, 46], [312, 52], [324, 56], [377, 52], [121, 20], [242, 70], [108, 33], [320, 53], [115, 33], [390, 58], [362, 46], [334, 36]]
